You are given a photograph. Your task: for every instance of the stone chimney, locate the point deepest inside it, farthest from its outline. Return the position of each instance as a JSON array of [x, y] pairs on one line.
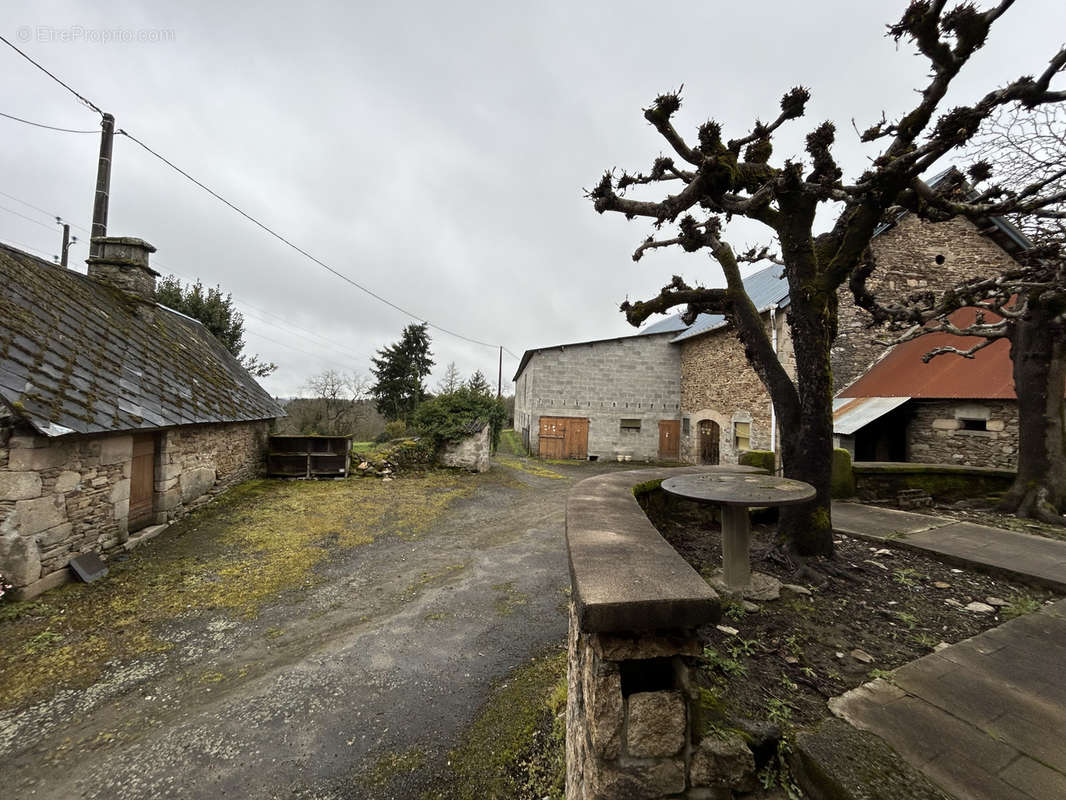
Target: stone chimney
[[122, 263]]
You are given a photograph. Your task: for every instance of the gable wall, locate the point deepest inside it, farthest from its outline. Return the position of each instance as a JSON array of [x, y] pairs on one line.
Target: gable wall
[[906, 263], [60, 497], [632, 378], [718, 384]]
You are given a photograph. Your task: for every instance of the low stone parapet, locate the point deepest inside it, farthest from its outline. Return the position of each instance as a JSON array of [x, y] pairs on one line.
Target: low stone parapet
[[631, 719]]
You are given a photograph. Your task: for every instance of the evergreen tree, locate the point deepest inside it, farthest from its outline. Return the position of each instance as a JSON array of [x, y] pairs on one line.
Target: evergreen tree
[[400, 371], [217, 313], [479, 385]]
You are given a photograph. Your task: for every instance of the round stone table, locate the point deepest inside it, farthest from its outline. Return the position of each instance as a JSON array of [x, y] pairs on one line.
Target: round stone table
[[736, 493]]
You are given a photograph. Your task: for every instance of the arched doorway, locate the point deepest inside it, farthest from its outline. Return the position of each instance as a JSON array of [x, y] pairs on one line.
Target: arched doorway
[[710, 436]]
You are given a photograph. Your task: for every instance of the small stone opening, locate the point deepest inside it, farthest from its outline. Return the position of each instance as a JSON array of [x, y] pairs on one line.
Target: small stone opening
[[648, 675], [939, 258]]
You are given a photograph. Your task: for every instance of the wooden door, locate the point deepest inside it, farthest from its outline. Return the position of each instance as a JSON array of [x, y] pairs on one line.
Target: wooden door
[[710, 436], [669, 439], [142, 481], [563, 437]]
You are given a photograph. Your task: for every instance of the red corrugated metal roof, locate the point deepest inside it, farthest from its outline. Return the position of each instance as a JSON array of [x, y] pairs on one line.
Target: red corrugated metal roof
[[901, 373]]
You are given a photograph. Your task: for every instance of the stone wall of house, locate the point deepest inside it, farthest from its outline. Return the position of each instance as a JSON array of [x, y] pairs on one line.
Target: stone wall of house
[[471, 453], [936, 433], [635, 377], [912, 256], [60, 497], [718, 384], [632, 724]]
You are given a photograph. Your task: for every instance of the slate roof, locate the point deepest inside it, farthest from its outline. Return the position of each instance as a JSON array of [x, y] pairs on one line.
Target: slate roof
[[766, 287], [79, 357]]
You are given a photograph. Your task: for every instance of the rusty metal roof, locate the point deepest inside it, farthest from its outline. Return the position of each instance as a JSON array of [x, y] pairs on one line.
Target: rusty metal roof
[[901, 372]]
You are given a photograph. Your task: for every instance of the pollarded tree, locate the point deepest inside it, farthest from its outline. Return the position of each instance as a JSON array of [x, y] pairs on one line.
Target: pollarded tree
[[720, 178], [400, 371], [1022, 155]]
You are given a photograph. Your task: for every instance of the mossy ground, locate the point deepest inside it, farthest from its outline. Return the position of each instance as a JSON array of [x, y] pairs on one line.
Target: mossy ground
[[258, 544], [511, 443], [529, 466], [514, 748]]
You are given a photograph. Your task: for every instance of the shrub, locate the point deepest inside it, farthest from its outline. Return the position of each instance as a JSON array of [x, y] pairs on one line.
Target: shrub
[[449, 417], [763, 459], [393, 430]]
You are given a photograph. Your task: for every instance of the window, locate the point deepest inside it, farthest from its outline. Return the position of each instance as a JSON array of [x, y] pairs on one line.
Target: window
[[741, 436], [973, 424], [629, 425], [685, 427]]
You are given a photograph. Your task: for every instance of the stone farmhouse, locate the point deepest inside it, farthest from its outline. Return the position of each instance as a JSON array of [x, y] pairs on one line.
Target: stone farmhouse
[[677, 392], [117, 414]]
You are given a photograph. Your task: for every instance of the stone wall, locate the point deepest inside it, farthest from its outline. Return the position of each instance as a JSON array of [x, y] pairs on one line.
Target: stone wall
[[936, 433], [635, 377], [912, 256], [718, 384], [471, 453], [60, 497], [632, 726]]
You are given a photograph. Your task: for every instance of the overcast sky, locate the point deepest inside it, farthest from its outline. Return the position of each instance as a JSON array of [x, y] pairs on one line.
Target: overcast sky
[[434, 152]]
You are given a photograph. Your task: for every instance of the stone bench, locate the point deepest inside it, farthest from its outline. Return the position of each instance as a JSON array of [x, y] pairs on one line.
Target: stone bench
[[635, 607]]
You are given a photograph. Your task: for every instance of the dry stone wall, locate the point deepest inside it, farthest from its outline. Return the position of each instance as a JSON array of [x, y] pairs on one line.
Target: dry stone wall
[[60, 497]]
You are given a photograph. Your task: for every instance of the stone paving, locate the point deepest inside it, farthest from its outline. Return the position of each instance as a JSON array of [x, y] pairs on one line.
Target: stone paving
[[1031, 559], [985, 718]]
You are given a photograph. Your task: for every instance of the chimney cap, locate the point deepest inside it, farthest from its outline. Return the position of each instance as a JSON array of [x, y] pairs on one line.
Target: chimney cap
[[122, 251]]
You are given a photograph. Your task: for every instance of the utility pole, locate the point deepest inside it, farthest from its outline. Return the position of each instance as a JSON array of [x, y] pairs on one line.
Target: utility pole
[[66, 242], [499, 379], [103, 184]]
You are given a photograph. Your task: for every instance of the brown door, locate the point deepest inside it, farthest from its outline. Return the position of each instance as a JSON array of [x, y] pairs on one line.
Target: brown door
[[142, 481], [563, 437], [669, 439], [710, 435]]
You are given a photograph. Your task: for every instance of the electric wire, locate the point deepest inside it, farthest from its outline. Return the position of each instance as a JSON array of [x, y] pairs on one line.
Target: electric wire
[[245, 214], [42, 125]]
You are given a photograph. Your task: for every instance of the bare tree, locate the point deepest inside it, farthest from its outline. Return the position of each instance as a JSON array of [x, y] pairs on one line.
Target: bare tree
[[338, 395], [718, 179], [1018, 150], [451, 381]]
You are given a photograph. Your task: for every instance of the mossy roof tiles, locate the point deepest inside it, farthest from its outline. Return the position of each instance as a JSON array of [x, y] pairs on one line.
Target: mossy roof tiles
[[80, 357]]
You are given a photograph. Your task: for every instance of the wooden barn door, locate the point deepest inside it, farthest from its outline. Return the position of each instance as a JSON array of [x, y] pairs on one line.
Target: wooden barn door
[[142, 481], [563, 437], [669, 439], [710, 436]]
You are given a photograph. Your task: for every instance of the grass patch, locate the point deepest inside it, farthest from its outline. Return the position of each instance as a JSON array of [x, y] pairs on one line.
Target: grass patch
[[390, 765], [508, 598], [258, 543], [530, 467], [515, 746], [511, 443]]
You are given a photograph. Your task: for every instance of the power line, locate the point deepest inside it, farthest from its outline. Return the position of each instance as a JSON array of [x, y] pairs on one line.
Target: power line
[[248, 216], [28, 219], [41, 210], [42, 125], [80, 97]]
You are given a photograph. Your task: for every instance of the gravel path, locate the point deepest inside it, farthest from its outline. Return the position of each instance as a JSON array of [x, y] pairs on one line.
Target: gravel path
[[357, 689]]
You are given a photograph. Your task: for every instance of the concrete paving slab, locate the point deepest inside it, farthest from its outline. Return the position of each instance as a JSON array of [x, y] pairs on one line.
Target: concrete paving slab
[[882, 523], [1035, 779]]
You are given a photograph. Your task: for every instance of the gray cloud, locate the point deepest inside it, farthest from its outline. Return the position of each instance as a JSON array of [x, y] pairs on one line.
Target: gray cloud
[[434, 152]]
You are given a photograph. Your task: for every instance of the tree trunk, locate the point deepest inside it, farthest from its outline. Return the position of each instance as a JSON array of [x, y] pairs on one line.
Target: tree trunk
[[807, 431], [1038, 355]]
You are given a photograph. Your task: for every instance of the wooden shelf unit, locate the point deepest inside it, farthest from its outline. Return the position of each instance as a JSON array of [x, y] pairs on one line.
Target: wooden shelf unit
[[309, 456]]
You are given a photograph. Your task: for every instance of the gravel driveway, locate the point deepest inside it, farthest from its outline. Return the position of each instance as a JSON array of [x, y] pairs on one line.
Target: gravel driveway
[[382, 656]]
